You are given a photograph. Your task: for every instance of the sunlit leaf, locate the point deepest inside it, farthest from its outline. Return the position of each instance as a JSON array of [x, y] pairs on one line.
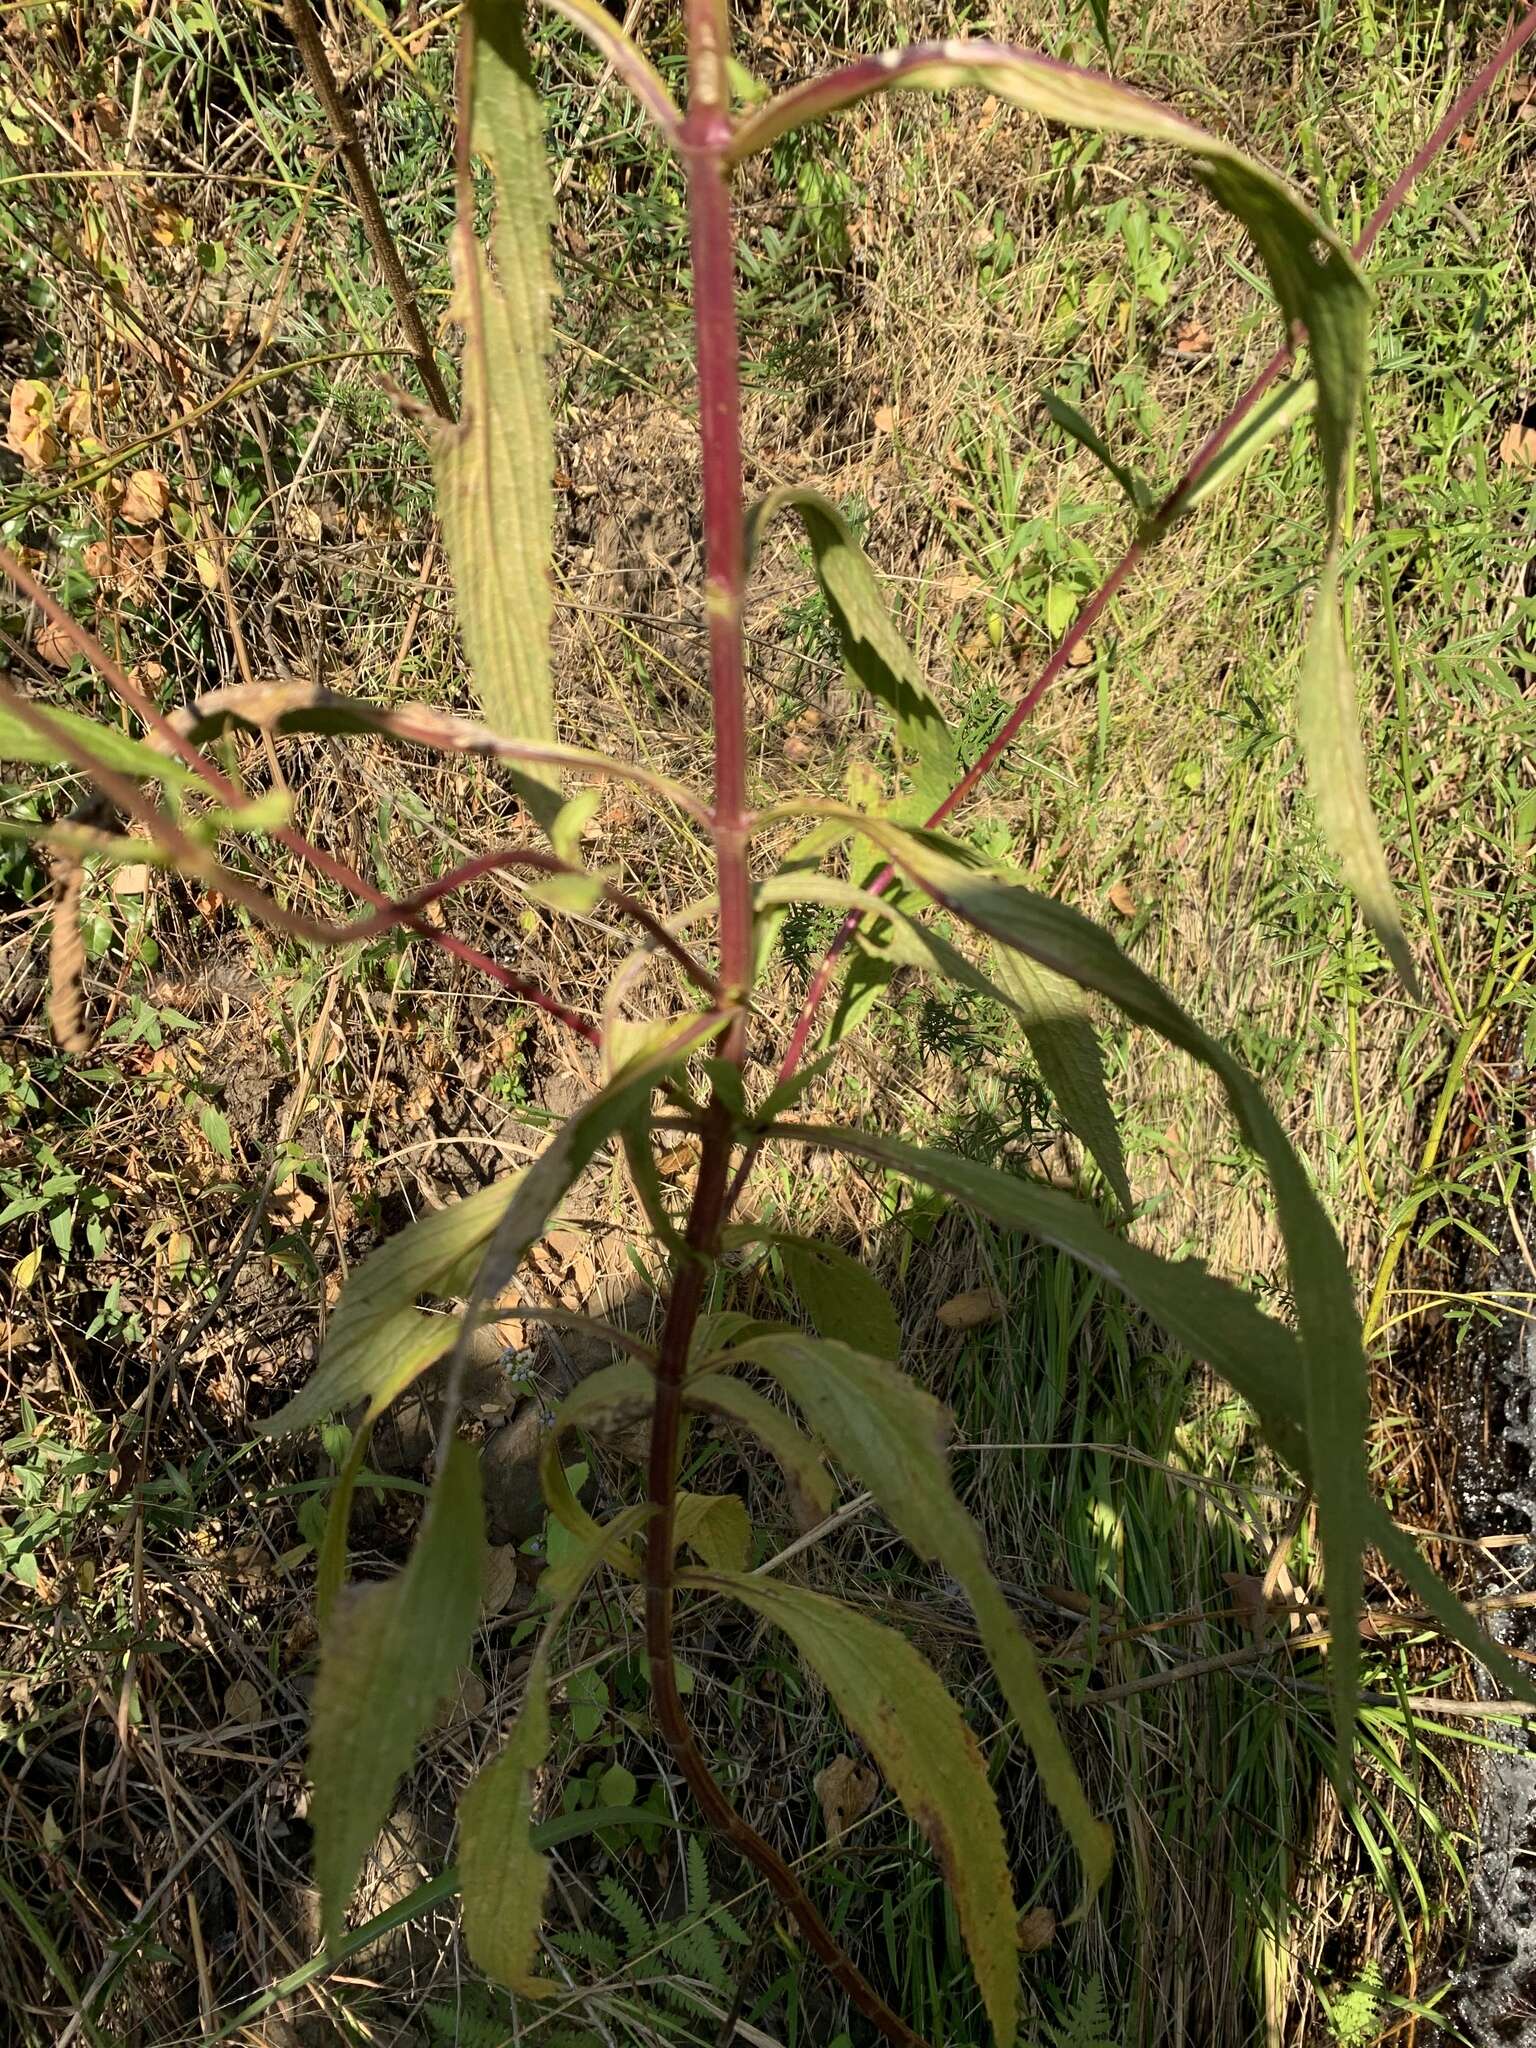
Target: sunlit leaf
[[377, 1341], [1081, 429], [388, 1659], [874, 653], [495, 469], [88, 739], [1281, 408], [1328, 722], [892, 1699], [893, 1437]]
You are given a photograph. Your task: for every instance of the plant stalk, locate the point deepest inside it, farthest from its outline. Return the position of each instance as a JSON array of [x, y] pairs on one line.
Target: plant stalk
[[301, 25]]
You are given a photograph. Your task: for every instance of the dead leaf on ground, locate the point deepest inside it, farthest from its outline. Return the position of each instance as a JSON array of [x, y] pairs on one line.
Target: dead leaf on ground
[[54, 645], [242, 1703], [146, 497], [132, 880], [501, 1584], [29, 431], [885, 419], [1517, 450], [290, 1204], [1192, 340], [1081, 653], [75, 412], [675, 1161], [1037, 1930], [973, 1309], [846, 1789], [1122, 900]]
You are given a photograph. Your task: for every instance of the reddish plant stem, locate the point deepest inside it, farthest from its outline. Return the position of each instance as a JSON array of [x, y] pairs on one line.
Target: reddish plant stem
[[706, 135], [1164, 517], [228, 793]]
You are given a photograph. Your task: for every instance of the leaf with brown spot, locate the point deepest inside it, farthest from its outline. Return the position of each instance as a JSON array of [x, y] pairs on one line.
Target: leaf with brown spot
[[893, 1701], [846, 1790], [146, 497], [29, 432]]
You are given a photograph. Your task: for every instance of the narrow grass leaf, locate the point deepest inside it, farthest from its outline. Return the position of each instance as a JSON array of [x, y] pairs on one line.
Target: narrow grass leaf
[[893, 1700], [893, 1437], [388, 1660], [1082, 430], [874, 653]]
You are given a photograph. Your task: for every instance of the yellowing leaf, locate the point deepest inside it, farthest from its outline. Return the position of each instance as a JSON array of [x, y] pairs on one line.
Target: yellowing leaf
[[390, 1656], [798, 1458], [146, 497], [1328, 723], [495, 469], [29, 430], [716, 1528], [895, 1704], [972, 1310]]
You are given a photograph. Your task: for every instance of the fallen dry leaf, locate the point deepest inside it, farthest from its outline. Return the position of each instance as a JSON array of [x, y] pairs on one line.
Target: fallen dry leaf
[[242, 1703], [1122, 900], [290, 1204], [1037, 1930], [1517, 450], [500, 1584], [75, 412], [168, 227], [132, 880], [29, 430], [675, 1161], [54, 645], [846, 1789], [1081, 653], [1192, 338], [971, 1310], [146, 497], [885, 419]]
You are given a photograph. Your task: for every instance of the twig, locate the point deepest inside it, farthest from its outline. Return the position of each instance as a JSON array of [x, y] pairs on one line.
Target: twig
[[301, 23]]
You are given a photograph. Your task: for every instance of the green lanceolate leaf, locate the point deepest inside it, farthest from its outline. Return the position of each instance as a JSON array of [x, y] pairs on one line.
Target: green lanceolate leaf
[[1062, 940], [840, 1295], [798, 1458], [1282, 408], [614, 1394], [1086, 435], [87, 738], [716, 1528], [502, 1875], [1059, 1026], [894, 1702], [542, 1186], [874, 653], [1212, 1319], [893, 1437], [388, 1660], [378, 1341], [495, 469], [1328, 723]]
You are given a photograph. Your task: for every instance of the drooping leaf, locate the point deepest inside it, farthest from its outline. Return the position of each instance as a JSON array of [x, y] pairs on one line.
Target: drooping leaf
[[1318, 285], [614, 1394], [893, 1437], [894, 1702], [502, 1875], [1062, 940], [800, 1460], [716, 1528], [1058, 1023], [874, 653], [388, 1659], [1328, 723], [1086, 435], [495, 469], [378, 1341]]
